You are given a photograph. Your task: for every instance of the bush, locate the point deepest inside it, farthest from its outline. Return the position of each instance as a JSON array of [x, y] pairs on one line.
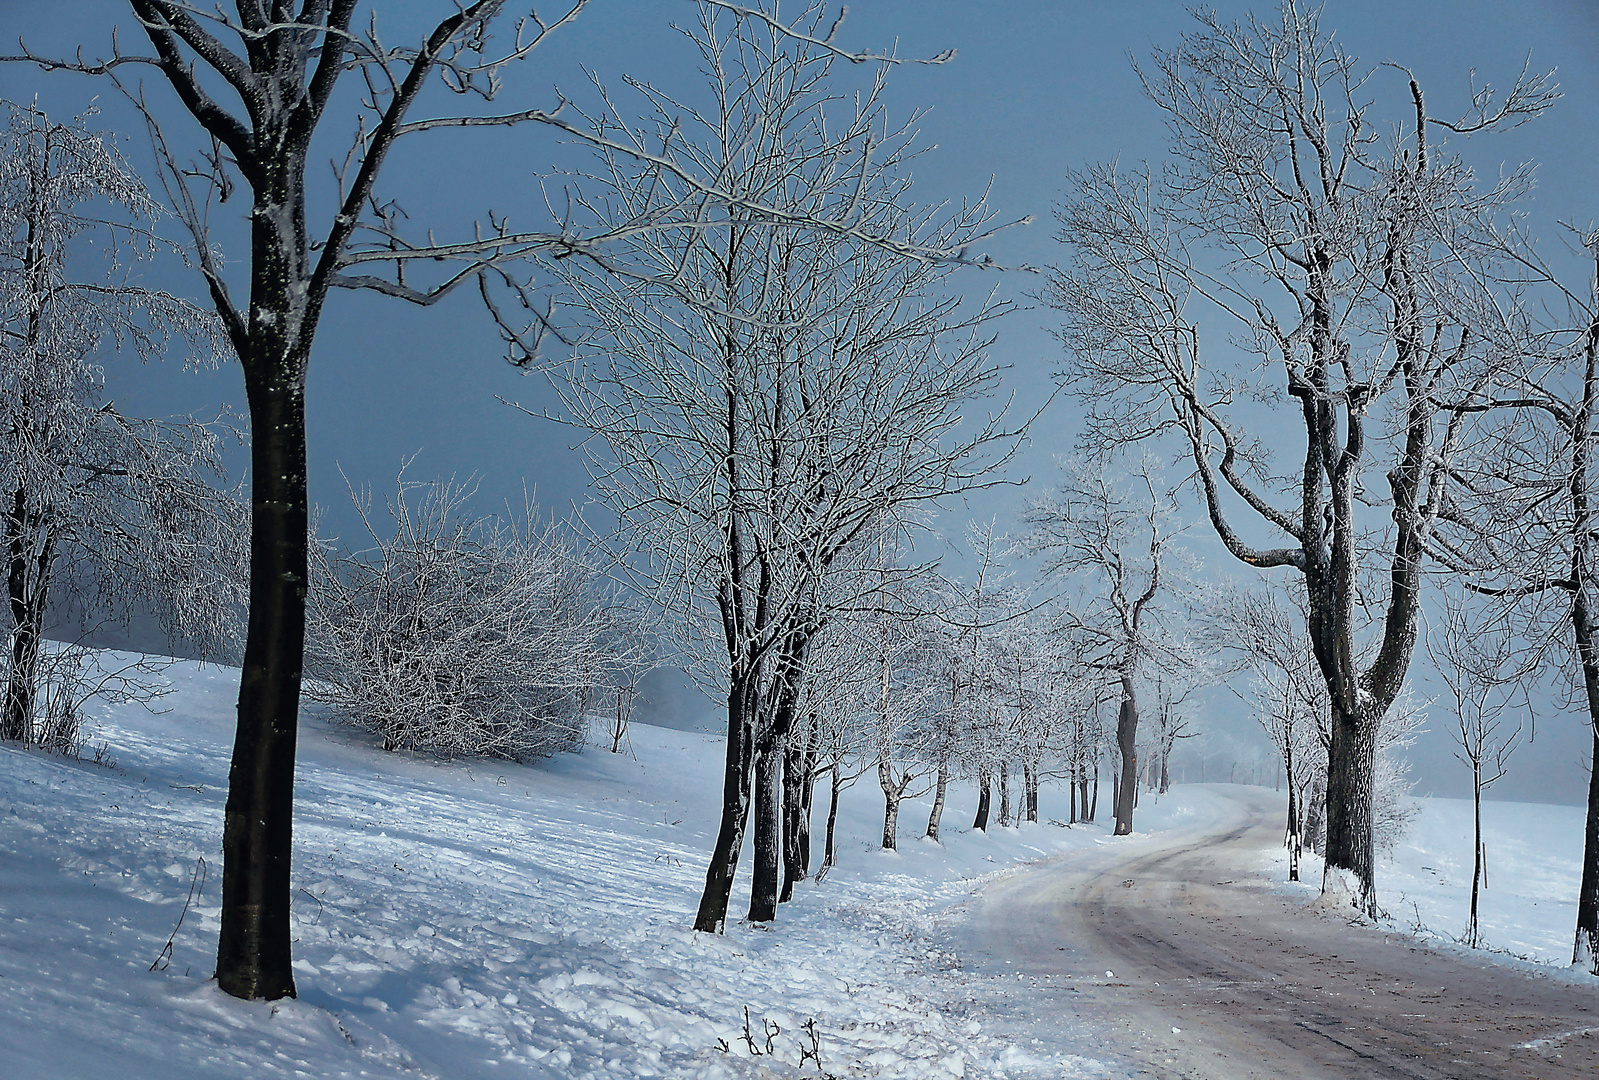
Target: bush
[[460, 635]]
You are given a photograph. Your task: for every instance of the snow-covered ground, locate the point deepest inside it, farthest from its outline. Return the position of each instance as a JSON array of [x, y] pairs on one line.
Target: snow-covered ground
[[480, 919], [1528, 910]]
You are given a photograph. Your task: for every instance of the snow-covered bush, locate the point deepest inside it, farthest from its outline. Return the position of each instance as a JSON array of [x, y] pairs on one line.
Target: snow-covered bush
[[461, 635], [1392, 808]]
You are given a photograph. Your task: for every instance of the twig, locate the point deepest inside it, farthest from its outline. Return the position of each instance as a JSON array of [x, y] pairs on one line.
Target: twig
[[196, 886]]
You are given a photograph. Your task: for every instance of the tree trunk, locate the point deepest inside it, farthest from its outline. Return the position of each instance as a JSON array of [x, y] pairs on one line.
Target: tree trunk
[[1072, 784], [28, 586], [1127, 743], [1585, 951], [253, 949], [712, 914], [1350, 764], [934, 818], [1030, 782], [1292, 838], [807, 801], [767, 829], [829, 849], [774, 734], [1585, 948], [1472, 938], [891, 799], [797, 786], [1093, 807], [1315, 815], [16, 724], [980, 822], [1004, 794]]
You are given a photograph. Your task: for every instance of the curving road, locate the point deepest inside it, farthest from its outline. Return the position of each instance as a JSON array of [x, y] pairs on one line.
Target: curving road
[[1177, 953]]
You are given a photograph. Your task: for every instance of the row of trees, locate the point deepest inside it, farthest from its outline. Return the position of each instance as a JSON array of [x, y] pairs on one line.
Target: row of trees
[[1305, 263], [932, 680], [459, 634], [259, 80]]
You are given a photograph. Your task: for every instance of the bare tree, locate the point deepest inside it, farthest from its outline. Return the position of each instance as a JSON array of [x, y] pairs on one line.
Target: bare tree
[[1116, 540], [1291, 697], [766, 393], [1170, 727], [1523, 540], [1479, 661], [964, 735], [108, 508], [1362, 272]]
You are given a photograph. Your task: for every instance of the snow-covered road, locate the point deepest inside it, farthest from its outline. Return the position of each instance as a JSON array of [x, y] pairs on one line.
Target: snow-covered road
[[1178, 951]]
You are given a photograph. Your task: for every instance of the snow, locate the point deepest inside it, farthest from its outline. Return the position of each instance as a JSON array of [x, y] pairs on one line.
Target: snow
[[1527, 913], [481, 919]]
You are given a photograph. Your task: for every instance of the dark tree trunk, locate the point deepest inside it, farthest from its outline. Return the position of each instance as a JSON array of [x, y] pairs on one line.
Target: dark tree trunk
[[829, 847], [937, 815], [984, 795], [1093, 807], [1030, 783], [1586, 949], [1292, 837], [1072, 785], [798, 761], [28, 580], [253, 948], [766, 829], [16, 725], [28, 586], [1472, 938], [1127, 743], [712, 914], [802, 828], [1350, 765]]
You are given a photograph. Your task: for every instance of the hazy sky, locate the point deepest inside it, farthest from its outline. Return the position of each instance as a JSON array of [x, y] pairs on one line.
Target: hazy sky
[[1037, 89]]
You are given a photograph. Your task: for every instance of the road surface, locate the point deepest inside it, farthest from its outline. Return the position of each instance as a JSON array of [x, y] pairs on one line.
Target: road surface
[[1181, 961]]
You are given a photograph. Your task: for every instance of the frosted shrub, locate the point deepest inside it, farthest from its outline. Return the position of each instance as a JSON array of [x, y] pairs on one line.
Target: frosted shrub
[[460, 635], [1392, 808]]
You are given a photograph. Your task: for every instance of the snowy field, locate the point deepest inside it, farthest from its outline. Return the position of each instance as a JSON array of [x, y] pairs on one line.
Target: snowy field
[[1527, 913], [480, 919]]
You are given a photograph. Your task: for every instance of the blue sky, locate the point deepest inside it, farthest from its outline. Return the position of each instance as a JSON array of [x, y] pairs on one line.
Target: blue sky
[[1037, 89]]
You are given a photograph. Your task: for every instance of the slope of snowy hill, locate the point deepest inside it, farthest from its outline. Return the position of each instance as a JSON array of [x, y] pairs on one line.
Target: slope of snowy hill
[[474, 919], [479, 919]]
